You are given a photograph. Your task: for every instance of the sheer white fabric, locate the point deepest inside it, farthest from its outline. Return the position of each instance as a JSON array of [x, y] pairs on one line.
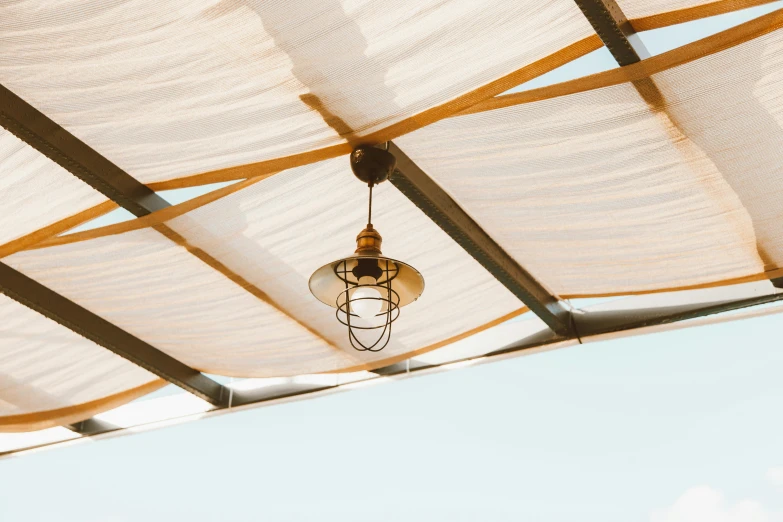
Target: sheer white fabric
[[605, 192], [177, 87], [45, 366], [279, 231], [36, 192], [591, 195], [157, 291]]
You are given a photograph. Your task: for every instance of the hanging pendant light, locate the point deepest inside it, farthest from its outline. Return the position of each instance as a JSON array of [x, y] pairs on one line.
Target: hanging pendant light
[[368, 289]]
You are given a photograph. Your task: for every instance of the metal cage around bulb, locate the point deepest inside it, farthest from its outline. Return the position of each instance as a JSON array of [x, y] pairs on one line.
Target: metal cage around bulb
[[368, 289], [397, 284]]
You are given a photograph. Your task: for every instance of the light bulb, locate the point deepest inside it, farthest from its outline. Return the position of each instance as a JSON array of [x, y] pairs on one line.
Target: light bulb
[[366, 301]]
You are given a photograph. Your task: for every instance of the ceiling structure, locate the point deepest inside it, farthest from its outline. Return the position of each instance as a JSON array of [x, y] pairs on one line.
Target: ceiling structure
[[659, 180]]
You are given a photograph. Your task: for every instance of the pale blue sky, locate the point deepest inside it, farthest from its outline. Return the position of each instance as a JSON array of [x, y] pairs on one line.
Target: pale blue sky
[[609, 431], [602, 432]]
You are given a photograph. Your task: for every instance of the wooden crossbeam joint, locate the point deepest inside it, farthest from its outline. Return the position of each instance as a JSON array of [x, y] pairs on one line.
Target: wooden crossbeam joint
[[614, 29]]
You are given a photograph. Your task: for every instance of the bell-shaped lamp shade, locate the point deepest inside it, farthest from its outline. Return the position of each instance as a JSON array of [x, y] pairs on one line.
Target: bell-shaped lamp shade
[[330, 282], [367, 292]]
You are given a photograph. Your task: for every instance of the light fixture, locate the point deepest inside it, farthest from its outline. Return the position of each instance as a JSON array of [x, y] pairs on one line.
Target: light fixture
[[368, 289]]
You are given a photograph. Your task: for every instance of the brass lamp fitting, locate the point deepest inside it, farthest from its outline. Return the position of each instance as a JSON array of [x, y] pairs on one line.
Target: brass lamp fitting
[[368, 242]]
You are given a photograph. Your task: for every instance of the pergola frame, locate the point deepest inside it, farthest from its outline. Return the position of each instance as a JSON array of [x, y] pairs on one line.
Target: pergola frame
[[50, 139]]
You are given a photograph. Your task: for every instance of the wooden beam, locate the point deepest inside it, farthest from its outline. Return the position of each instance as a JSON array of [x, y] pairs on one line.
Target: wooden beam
[[36, 129], [34, 295], [417, 186], [612, 26]]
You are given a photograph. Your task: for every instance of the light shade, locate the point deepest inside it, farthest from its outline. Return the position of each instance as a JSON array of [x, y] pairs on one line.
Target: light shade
[[326, 285], [368, 291]]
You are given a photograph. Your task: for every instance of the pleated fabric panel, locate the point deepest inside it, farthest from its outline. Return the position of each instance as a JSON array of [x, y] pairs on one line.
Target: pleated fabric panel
[[622, 190], [730, 106], [50, 375], [35, 192], [177, 87], [154, 289], [271, 236]]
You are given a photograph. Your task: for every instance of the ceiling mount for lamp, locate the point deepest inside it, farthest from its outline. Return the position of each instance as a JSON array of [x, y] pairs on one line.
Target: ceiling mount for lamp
[[368, 289]]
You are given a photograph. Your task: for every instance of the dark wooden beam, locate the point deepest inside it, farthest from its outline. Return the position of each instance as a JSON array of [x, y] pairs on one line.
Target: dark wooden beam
[[34, 295], [37, 130], [612, 26], [417, 186]]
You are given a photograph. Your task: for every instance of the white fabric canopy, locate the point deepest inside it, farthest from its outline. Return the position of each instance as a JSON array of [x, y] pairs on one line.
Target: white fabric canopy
[[156, 290], [659, 176], [607, 192], [35, 192], [49, 370], [177, 87], [153, 289]]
